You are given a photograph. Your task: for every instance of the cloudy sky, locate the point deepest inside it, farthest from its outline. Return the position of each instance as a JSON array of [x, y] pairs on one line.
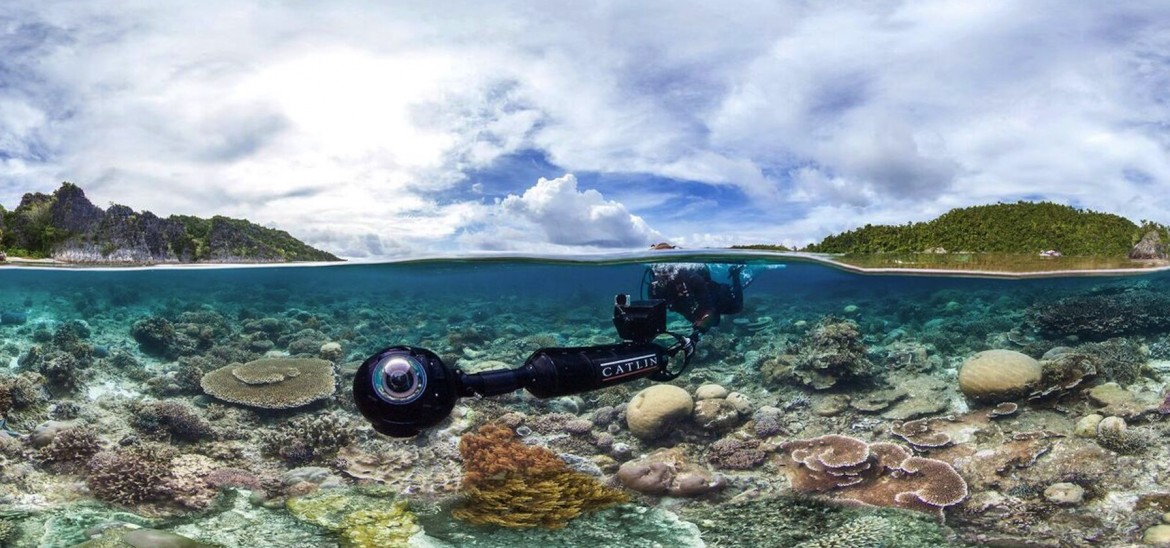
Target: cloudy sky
[[388, 129]]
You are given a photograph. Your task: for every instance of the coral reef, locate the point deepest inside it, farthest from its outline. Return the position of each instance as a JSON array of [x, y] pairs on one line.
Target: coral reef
[[832, 352], [20, 391], [863, 532], [157, 336], [360, 519], [1120, 360], [130, 475], [998, 375], [1099, 317], [510, 484], [654, 409], [173, 420], [71, 445], [793, 520], [312, 438], [272, 383], [736, 454], [668, 472], [879, 474], [622, 525]]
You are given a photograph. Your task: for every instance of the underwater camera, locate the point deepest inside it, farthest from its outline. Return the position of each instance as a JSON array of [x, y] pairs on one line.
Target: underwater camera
[[402, 390]]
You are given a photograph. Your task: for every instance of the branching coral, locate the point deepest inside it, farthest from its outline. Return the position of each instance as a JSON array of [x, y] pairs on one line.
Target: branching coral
[[511, 484], [70, 445], [129, 475], [20, 391], [307, 439], [863, 532], [171, 419], [1098, 317]]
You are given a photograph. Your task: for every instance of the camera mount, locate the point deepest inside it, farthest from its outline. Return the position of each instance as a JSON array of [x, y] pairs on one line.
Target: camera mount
[[402, 389]]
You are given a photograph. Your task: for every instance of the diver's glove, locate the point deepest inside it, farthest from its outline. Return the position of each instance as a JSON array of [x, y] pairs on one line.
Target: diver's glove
[[688, 346]]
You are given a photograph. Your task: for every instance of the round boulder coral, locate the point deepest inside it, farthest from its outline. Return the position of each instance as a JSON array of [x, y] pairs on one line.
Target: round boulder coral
[[272, 383], [655, 408], [998, 375]]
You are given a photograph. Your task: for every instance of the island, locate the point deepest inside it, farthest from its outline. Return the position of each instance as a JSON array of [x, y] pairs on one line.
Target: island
[[1015, 237], [66, 228]]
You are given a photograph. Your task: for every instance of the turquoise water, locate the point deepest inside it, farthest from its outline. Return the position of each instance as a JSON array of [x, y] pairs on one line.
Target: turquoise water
[[119, 358]]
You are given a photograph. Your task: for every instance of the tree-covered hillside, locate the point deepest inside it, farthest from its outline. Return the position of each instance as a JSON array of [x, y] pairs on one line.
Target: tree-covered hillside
[[1022, 227], [66, 226]]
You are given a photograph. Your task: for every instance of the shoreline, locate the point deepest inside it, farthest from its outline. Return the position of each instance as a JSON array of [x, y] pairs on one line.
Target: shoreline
[[713, 255]]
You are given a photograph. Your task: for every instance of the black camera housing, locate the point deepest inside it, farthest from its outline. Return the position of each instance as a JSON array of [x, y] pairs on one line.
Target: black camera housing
[[639, 321]]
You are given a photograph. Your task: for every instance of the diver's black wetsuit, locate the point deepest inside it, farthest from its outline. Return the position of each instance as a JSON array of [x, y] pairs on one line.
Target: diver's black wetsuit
[[690, 291]]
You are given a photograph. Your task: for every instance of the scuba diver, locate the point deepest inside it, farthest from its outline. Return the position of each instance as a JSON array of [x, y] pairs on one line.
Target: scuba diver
[[403, 390], [689, 290]]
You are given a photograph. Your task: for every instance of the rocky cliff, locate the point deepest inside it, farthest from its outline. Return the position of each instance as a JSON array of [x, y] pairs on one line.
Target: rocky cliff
[[66, 226]]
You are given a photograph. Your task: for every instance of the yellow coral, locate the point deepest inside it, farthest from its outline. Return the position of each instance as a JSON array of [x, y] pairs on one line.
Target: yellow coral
[[361, 521], [378, 528], [511, 484]]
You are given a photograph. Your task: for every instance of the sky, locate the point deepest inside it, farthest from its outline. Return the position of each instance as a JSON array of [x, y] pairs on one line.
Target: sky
[[379, 130]]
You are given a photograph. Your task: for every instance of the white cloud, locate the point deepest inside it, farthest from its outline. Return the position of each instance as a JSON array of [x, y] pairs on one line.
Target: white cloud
[[554, 213], [353, 123]]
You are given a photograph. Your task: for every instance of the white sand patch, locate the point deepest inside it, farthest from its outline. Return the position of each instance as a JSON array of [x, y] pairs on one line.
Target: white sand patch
[[109, 388]]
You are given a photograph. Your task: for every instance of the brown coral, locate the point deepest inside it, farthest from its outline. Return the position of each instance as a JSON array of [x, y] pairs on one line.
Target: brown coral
[[511, 484], [272, 383], [922, 433], [71, 445], [129, 475], [881, 474], [668, 472]]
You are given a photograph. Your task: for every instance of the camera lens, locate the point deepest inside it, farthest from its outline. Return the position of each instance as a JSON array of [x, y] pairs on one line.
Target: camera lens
[[399, 378]]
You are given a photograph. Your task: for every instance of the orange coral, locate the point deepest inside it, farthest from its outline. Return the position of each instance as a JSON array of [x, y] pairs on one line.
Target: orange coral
[[511, 484]]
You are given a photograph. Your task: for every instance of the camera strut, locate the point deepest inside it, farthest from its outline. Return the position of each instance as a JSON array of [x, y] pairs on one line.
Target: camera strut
[[402, 390]]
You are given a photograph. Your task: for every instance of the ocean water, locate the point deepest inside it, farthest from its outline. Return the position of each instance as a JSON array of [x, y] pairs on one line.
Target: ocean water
[[134, 413]]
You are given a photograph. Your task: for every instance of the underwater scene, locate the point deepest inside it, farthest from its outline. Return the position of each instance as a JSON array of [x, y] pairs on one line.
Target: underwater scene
[[732, 399]]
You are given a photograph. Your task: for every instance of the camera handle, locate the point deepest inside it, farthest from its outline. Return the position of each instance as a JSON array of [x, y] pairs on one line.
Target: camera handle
[[402, 390]]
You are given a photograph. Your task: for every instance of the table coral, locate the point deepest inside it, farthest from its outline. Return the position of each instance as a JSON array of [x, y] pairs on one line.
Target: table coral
[[511, 484], [272, 383], [881, 474]]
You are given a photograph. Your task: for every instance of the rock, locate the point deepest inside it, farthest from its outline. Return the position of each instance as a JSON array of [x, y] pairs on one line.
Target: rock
[[998, 375], [154, 538], [831, 406], [740, 402], [668, 472], [710, 391], [1111, 426], [1065, 493], [1150, 247], [1158, 535], [1087, 426], [1117, 400], [655, 408]]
